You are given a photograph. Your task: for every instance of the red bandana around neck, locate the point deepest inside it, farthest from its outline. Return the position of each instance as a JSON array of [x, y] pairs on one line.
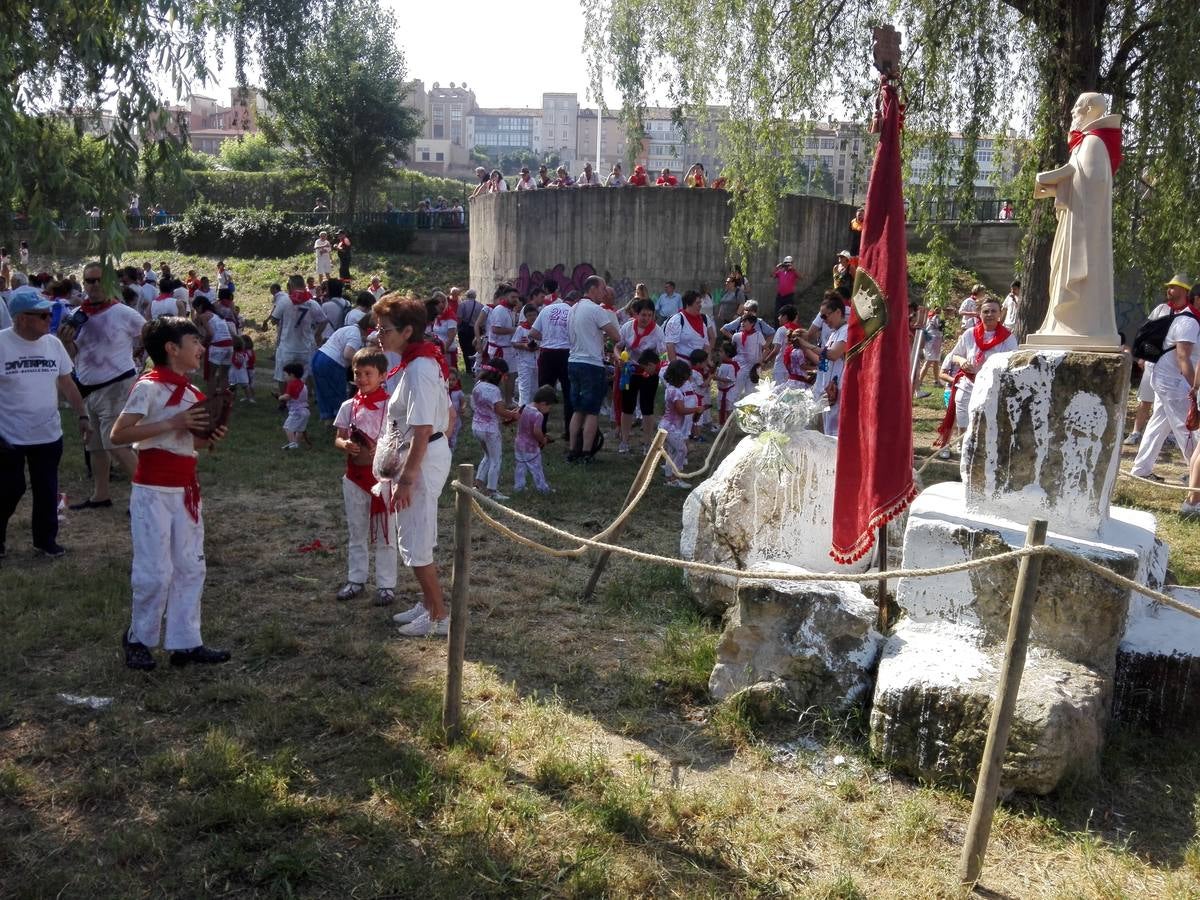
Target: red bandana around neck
[[94, 309], [639, 336], [946, 428], [372, 400], [1111, 138], [696, 320], [299, 297], [427, 349], [167, 375], [982, 346]]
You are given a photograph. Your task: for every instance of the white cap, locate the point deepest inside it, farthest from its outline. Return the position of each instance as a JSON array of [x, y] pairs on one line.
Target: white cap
[[787, 259]]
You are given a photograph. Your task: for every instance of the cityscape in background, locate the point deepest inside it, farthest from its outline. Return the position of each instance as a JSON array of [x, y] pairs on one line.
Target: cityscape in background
[[458, 135]]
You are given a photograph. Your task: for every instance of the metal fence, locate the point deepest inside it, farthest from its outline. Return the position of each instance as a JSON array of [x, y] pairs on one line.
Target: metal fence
[[437, 219]]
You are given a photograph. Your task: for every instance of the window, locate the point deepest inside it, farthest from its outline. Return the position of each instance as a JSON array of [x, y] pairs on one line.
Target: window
[[425, 156], [440, 157], [456, 111], [826, 143]]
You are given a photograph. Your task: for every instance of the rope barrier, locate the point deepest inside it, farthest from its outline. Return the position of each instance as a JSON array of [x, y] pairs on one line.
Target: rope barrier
[[933, 456], [709, 457], [480, 500], [1158, 484]]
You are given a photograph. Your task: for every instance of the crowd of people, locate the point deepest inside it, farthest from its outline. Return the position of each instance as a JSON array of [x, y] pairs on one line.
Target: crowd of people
[[494, 182], [394, 379]]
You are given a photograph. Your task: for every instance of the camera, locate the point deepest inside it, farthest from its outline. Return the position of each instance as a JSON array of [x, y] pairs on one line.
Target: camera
[[77, 318]]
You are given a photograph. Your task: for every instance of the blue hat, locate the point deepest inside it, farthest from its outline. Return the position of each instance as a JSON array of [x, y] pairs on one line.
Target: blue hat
[[28, 299]]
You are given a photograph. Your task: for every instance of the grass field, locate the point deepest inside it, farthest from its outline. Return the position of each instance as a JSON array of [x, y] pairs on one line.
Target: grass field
[[595, 766]]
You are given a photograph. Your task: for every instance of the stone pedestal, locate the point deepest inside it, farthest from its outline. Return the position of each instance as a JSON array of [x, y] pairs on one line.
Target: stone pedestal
[[1044, 437], [816, 640], [940, 666]]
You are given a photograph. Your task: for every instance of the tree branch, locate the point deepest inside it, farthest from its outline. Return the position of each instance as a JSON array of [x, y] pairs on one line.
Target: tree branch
[[1120, 65]]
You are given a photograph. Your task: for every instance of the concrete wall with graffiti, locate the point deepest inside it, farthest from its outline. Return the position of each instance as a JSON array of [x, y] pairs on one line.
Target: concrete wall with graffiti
[[650, 235]]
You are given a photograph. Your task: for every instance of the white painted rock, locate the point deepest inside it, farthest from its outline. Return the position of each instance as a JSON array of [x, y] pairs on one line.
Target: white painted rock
[[1044, 437], [1157, 683], [818, 639], [932, 707], [755, 512]]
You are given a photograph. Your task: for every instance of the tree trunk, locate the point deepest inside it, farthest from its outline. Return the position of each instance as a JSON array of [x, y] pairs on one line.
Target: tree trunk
[[1069, 67]]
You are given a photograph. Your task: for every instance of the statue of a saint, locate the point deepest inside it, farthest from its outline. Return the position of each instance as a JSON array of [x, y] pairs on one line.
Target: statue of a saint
[[1081, 314]]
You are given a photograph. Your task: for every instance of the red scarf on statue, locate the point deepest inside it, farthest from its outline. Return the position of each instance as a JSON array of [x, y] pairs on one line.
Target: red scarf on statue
[[419, 349], [1111, 138], [982, 346]]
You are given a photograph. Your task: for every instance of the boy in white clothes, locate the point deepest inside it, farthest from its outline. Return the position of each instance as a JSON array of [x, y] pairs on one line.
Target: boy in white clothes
[[160, 419], [295, 396], [526, 355], [747, 353], [359, 422]]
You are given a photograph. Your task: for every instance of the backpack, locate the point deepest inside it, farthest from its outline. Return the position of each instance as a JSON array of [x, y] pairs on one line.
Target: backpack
[[346, 307], [1148, 344]]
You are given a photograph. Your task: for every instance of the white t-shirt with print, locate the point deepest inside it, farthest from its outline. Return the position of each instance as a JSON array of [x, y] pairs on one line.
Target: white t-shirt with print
[[484, 397], [29, 372], [551, 324], [672, 420], [106, 343], [298, 323]]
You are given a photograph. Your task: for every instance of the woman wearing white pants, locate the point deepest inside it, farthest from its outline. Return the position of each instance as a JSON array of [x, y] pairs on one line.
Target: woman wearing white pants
[[1173, 380]]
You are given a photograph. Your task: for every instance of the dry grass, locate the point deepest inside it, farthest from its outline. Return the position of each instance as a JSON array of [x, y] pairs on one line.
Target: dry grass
[[313, 764]]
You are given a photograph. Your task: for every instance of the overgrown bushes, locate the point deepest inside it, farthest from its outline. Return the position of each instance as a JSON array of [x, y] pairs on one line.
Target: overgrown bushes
[[210, 228]]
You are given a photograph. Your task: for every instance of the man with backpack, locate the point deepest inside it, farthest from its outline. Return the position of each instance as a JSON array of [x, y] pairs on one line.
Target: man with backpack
[[1172, 343]]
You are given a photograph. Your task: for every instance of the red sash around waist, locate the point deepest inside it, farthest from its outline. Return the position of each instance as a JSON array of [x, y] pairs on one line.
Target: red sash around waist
[[162, 468]]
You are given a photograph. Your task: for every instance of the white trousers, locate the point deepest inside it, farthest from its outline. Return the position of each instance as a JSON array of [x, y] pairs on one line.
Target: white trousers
[[489, 467], [531, 463], [168, 569], [526, 380], [358, 548], [1169, 416], [676, 446], [416, 524]]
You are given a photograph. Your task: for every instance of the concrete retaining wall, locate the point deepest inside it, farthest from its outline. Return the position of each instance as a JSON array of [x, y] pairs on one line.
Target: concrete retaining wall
[[631, 235], [989, 248]]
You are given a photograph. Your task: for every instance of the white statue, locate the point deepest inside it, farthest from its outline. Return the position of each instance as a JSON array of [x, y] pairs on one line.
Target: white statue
[[1081, 314]]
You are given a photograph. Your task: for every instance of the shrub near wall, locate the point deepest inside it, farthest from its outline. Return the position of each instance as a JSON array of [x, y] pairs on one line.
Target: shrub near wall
[[207, 228]]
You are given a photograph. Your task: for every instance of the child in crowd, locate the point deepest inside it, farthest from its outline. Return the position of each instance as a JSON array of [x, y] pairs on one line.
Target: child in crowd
[[747, 353], [359, 422], [295, 396], [487, 402], [23, 256], [725, 369], [681, 405], [700, 388], [239, 375], [525, 350], [935, 333], [164, 501], [454, 385], [251, 361], [527, 448]]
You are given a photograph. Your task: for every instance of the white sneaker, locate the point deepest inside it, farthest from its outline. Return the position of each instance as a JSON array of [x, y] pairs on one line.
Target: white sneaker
[[291, 445], [624, 448], [499, 497], [921, 395], [1134, 438], [423, 626], [679, 483], [409, 615]]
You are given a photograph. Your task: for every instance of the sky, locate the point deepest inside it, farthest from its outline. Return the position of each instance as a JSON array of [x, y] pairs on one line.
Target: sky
[[501, 71]]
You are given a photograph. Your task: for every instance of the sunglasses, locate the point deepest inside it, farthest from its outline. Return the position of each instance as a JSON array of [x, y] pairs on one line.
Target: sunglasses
[[44, 316], [91, 281]]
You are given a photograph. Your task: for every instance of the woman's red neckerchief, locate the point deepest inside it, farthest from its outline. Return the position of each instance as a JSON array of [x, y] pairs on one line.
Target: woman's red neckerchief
[[167, 375], [638, 336], [419, 349], [696, 320]]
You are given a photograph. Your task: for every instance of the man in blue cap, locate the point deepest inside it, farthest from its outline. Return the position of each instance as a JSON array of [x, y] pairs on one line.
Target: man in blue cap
[[34, 369]]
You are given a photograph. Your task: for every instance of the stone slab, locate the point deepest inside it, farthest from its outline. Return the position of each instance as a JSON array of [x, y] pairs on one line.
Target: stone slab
[[932, 706], [1044, 437], [816, 638], [1157, 681], [1077, 614]]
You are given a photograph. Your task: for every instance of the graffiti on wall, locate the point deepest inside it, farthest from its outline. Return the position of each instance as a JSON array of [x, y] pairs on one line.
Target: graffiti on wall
[[527, 279]]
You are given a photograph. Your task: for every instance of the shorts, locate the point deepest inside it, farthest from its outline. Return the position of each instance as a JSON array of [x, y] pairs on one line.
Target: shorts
[[239, 376], [283, 357], [103, 406], [640, 393], [296, 421], [416, 526], [1145, 390], [587, 387], [220, 356], [933, 350]]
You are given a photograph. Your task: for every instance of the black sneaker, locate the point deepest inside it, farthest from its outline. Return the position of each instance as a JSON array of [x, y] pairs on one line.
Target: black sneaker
[[137, 654], [201, 654], [54, 551]]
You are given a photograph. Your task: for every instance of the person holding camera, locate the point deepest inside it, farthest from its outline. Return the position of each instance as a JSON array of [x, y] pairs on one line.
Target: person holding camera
[[103, 335], [35, 369]]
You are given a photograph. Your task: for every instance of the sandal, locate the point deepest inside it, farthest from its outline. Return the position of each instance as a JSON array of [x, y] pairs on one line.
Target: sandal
[[350, 590]]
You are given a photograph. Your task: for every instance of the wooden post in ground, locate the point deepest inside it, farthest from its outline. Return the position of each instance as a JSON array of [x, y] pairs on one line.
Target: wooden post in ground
[[648, 463], [979, 829], [460, 583], [882, 600]]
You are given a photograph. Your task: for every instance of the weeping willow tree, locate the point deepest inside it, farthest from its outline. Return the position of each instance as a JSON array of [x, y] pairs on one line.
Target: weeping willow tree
[[101, 67], [1011, 68]]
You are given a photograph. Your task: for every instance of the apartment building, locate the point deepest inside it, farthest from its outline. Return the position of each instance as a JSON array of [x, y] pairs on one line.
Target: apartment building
[[210, 122]]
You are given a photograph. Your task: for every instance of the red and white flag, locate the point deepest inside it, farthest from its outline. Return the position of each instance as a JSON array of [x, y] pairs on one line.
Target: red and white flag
[[874, 449]]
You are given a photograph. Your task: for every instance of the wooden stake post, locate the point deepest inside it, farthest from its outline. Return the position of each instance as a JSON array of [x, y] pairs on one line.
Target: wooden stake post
[[460, 582], [602, 560], [979, 829]]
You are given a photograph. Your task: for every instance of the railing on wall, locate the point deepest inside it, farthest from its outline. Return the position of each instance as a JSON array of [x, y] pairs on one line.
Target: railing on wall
[[431, 220]]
